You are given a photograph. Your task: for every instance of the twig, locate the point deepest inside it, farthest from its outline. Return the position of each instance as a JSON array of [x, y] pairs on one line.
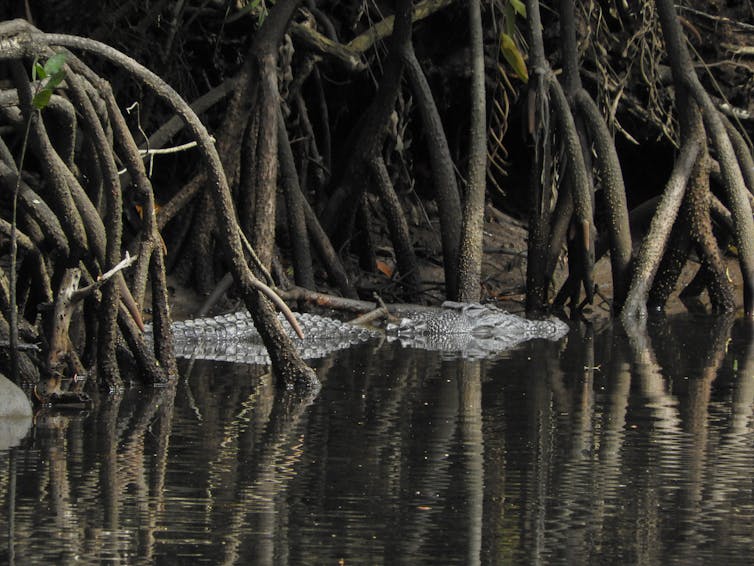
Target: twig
[[318, 43], [380, 312], [102, 279], [723, 19], [384, 28]]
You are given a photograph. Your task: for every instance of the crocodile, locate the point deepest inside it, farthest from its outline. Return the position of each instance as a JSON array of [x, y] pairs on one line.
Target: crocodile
[[468, 330]]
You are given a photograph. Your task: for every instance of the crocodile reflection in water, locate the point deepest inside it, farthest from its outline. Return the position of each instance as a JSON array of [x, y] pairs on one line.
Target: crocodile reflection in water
[[469, 330]]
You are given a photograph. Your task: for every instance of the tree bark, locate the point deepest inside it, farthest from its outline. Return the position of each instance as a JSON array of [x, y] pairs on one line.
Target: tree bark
[[539, 177], [734, 185], [106, 361], [614, 190], [471, 250], [404, 252], [653, 245], [302, 259], [341, 208], [443, 173], [580, 185]]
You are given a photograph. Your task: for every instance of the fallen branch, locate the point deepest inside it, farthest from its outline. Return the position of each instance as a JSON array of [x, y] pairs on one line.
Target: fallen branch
[[318, 43], [384, 28], [82, 293]]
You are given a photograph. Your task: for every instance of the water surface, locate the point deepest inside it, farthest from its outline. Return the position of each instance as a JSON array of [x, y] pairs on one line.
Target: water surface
[[597, 449]]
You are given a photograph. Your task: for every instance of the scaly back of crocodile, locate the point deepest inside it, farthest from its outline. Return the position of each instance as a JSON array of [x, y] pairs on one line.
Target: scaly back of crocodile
[[240, 326], [464, 329], [233, 337]]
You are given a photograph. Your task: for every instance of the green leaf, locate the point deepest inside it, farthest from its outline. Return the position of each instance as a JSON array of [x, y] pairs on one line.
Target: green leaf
[[55, 64], [513, 56], [55, 80], [519, 7], [252, 7], [42, 98], [509, 19], [38, 71], [50, 75]]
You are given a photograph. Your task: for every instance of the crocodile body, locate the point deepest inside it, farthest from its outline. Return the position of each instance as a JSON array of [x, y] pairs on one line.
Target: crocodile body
[[234, 338], [461, 329]]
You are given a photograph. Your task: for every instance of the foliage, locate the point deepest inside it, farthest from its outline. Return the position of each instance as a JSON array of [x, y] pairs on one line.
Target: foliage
[[49, 75]]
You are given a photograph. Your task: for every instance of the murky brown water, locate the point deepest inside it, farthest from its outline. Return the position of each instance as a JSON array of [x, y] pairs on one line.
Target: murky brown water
[[594, 450]]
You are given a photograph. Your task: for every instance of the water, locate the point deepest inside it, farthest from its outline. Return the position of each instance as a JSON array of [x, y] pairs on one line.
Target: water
[[597, 449]]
